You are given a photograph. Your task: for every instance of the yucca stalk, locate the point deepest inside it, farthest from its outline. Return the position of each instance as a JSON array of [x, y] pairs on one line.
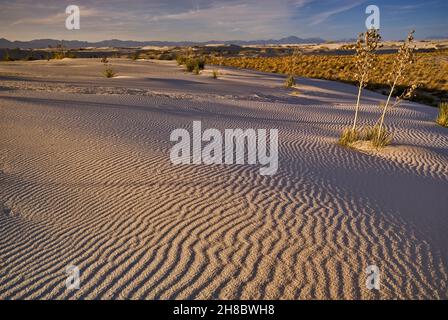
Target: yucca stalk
[[290, 81], [404, 59], [365, 47]]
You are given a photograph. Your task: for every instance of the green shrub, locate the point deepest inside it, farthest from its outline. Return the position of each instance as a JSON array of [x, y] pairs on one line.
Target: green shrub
[[215, 74], [442, 118]]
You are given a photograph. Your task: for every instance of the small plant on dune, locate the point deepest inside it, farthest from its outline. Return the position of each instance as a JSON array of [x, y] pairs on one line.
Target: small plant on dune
[[442, 118], [60, 53], [290, 81], [109, 72], [215, 74], [404, 59]]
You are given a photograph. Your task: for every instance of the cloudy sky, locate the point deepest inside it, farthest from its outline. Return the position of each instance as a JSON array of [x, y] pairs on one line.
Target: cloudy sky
[[199, 20]]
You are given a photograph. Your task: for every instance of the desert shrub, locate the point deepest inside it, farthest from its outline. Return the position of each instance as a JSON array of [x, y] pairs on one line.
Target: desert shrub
[[442, 118], [109, 72], [58, 55], [290, 81], [181, 60], [104, 60], [195, 64], [215, 74]]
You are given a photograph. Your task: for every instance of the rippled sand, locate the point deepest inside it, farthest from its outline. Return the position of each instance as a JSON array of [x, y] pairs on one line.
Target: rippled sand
[[85, 179]]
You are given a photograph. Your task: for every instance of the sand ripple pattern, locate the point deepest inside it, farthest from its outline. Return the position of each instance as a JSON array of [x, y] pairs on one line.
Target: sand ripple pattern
[[86, 180]]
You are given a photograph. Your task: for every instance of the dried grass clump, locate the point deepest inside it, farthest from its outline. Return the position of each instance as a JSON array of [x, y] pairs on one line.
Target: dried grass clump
[[381, 137], [348, 137], [442, 118]]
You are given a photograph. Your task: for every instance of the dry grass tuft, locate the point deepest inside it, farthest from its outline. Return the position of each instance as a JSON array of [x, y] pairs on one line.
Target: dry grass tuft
[[442, 118]]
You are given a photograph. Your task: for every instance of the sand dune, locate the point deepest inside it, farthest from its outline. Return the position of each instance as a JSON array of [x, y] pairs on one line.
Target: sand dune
[[86, 179]]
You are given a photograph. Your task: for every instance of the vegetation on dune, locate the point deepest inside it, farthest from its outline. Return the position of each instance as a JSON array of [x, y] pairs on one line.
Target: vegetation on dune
[[215, 74], [405, 58], [430, 70], [290, 80], [442, 118], [194, 64], [367, 43], [364, 63], [108, 71]]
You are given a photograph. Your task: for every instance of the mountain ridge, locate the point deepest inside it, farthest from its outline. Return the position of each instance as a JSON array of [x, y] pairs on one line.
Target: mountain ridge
[[71, 44]]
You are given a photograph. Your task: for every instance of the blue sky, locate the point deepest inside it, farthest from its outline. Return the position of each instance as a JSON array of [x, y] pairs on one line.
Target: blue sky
[[199, 20]]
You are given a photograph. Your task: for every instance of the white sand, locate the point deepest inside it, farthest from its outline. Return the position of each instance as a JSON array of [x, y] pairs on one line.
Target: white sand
[[85, 179]]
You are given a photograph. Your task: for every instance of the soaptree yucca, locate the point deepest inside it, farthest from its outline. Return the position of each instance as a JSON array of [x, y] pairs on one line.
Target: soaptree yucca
[[365, 49], [405, 58]]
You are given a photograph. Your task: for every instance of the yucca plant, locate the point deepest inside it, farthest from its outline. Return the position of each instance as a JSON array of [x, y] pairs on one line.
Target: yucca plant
[[290, 81], [442, 118], [364, 62], [405, 58]]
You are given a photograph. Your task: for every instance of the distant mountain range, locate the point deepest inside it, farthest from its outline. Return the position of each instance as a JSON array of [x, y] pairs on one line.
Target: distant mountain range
[[72, 44]]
